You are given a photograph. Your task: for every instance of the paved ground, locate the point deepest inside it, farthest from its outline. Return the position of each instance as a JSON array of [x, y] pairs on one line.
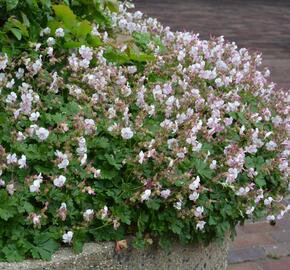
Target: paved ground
[[259, 25], [260, 246]]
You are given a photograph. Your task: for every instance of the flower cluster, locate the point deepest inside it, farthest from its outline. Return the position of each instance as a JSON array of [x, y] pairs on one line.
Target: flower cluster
[[183, 136]]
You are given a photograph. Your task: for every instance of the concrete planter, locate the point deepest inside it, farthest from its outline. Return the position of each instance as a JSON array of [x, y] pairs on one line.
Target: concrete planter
[[101, 256]]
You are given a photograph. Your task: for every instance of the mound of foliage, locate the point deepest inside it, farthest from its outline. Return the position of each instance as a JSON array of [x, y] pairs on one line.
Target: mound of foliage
[[112, 125]]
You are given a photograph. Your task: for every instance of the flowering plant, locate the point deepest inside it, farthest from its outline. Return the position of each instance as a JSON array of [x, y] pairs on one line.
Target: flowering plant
[[127, 128]]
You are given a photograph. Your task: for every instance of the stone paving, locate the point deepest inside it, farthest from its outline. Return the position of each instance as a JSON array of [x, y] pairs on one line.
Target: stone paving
[[259, 25]]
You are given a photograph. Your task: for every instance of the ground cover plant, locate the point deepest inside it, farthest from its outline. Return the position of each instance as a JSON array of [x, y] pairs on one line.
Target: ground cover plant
[[112, 125]]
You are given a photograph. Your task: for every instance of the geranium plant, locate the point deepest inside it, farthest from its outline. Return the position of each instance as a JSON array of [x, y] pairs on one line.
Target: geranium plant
[[113, 125]]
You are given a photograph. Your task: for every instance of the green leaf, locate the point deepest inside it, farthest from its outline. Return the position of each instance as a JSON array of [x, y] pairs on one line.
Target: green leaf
[[25, 19], [3, 118], [179, 183], [212, 221], [28, 207], [116, 57], [11, 4], [94, 41], [16, 32], [101, 142], [165, 243], [12, 253], [5, 214], [141, 57], [260, 181], [72, 44], [44, 247], [142, 220], [7, 206], [83, 29], [112, 161], [33, 5], [78, 246], [66, 15], [123, 212], [153, 204], [79, 240], [112, 5], [177, 226], [14, 23]]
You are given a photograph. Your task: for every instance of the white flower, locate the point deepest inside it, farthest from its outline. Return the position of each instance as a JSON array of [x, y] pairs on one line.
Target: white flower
[[172, 143], [10, 84], [22, 162], [104, 212], [11, 98], [63, 206], [42, 133], [270, 218], [19, 74], [67, 237], [34, 116], [2, 183], [228, 121], [95, 98], [84, 159], [59, 32], [11, 159], [132, 69], [37, 46], [36, 66], [82, 149], [250, 210], [200, 225], [127, 133], [243, 191], [90, 126], [45, 31], [63, 159], [232, 175], [165, 193], [3, 61], [268, 201], [251, 149], [252, 173], [86, 53], [141, 157], [97, 172], [50, 41], [10, 189], [178, 205], [181, 55], [198, 211], [213, 165], [277, 120], [59, 181], [35, 186], [281, 215], [271, 146], [36, 219], [195, 184], [145, 195], [88, 215], [193, 196]]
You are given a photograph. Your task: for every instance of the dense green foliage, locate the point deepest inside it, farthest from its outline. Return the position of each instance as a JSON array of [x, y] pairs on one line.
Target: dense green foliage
[[22, 21]]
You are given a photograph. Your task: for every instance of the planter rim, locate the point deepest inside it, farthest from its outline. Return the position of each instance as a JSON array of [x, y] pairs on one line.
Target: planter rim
[[102, 256]]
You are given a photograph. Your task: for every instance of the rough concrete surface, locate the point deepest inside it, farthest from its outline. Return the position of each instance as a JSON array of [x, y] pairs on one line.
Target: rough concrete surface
[[101, 256]]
